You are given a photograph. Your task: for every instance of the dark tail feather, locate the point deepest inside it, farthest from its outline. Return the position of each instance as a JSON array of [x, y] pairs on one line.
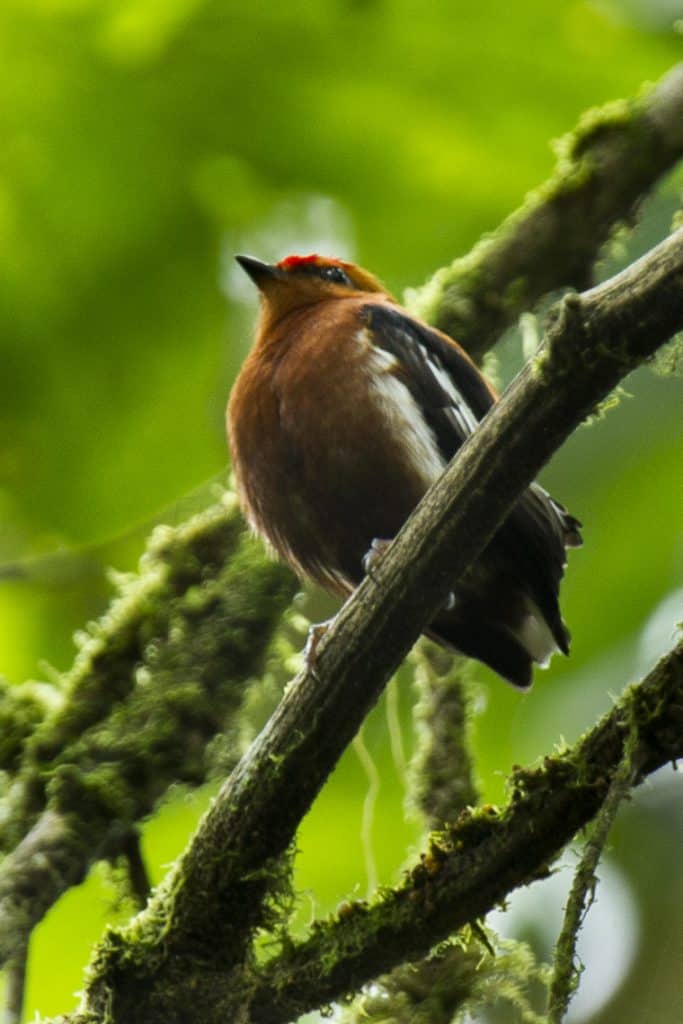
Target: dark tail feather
[[486, 641]]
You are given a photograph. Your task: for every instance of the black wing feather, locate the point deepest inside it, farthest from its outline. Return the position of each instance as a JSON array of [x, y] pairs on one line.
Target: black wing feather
[[454, 397], [449, 389]]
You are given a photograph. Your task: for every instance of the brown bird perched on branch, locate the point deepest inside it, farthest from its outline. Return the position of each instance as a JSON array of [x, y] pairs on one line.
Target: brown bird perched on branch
[[345, 411]]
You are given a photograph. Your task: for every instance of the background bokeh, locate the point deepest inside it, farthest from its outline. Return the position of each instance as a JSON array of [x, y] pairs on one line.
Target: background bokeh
[[143, 143]]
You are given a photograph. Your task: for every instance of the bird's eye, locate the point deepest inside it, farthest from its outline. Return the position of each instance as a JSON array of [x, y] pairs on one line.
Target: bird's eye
[[335, 274]]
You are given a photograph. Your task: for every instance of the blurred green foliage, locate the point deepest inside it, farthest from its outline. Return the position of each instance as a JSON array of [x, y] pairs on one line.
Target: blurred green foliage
[[143, 142]]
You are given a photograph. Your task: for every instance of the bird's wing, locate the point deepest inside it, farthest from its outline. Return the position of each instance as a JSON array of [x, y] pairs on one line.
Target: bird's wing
[[453, 397], [536, 533], [448, 388]]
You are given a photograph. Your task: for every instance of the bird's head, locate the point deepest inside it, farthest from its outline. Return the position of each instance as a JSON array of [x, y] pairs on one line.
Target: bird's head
[[302, 280]]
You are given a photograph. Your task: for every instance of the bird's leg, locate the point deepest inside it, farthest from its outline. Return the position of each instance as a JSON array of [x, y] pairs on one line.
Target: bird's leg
[[373, 555], [315, 634]]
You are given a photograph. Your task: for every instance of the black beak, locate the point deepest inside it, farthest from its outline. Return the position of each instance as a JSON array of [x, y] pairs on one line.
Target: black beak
[[260, 273]]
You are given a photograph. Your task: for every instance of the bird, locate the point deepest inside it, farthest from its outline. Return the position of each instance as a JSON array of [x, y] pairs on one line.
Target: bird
[[345, 411]]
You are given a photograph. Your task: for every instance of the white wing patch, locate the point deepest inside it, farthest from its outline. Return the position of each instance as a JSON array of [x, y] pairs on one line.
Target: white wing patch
[[459, 409], [403, 412], [455, 405], [535, 635], [399, 404]]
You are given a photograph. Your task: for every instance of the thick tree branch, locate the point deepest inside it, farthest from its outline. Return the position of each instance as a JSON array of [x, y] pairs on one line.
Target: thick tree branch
[[606, 165], [214, 897]]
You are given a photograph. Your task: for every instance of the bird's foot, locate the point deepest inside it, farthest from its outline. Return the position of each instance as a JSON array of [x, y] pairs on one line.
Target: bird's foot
[[315, 634], [373, 556]]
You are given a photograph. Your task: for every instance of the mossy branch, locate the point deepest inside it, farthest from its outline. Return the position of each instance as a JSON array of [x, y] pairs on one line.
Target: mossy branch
[[22, 709], [15, 986], [442, 773], [472, 865], [111, 651], [614, 156], [442, 784], [473, 971], [565, 974], [178, 649], [201, 920]]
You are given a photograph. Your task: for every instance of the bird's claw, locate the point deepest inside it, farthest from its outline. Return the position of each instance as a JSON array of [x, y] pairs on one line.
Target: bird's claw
[[315, 634], [373, 556]]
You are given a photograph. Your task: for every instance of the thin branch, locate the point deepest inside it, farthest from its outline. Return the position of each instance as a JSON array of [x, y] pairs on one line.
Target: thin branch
[[614, 157], [15, 987], [140, 884], [474, 972], [215, 896], [565, 976]]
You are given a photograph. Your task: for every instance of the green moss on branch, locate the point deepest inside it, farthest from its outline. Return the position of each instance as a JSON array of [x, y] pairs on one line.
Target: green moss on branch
[[22, 709], [194, 629], [605, 166], [442, 773]]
